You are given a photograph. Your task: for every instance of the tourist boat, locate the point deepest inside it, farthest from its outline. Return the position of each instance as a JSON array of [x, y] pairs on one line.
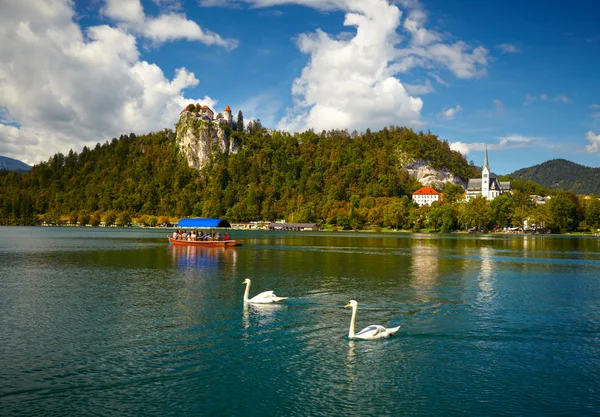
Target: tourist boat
[[204, 243], [203, 223]]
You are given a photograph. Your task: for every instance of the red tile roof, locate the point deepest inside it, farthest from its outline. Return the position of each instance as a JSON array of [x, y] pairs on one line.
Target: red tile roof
[[425, 190], [227, 108]]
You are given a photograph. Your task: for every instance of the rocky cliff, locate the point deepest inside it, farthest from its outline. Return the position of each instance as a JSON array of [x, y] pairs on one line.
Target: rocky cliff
[[199, 139], [431, 177]]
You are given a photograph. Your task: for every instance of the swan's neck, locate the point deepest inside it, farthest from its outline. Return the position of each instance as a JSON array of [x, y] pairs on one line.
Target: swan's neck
[[352, 322], [247, 292]]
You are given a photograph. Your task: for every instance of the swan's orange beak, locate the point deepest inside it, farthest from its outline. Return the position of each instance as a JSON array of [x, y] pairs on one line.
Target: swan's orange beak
[[347, 305]]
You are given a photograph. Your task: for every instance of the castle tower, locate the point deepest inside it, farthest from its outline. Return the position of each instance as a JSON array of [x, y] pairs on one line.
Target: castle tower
[[485, 177], [227, 115]]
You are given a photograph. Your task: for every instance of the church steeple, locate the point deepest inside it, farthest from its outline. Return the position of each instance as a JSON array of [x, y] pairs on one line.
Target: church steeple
[[485, 161], [485, 177]]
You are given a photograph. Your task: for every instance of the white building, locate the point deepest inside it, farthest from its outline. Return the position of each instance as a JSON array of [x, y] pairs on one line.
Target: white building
[[487, 186], [425, 196]]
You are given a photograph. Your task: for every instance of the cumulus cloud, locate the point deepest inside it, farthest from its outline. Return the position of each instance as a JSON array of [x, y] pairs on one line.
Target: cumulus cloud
[[63, 88], [166, 27], [349, 83], [594, 140], [504, 142], [449, 114], [353, 81], [507, 48]]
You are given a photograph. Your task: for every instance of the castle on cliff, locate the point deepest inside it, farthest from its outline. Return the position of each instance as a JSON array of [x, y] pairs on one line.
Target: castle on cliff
[[206, 114]]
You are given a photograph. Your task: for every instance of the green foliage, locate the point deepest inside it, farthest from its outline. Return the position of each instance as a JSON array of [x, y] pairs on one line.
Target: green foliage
[[240, 122], [335, 179], [123, 219]]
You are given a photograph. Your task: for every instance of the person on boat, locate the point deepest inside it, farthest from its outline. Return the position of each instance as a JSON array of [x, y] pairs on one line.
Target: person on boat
[[175, 234], [218, 236], [226, 237], [193, 236], [184, 235]]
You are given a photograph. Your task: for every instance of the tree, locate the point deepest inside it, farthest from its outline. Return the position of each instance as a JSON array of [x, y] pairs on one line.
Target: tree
[[110, 218], [84, 218], [123, 219], [442, 217], [453, 192], [562, 213], [501, 210], [95, 219], [240, 122], [474, 213]]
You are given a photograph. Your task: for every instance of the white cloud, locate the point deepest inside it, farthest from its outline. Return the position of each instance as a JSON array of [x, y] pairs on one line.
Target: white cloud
[[438, 79], [419, 89], [449, 114], [595, 106], [595, 115], [594, 140], [350, 82], [499, 106], [507, 48], [63, 88], [505, 142], [166, 27], [543, 97]]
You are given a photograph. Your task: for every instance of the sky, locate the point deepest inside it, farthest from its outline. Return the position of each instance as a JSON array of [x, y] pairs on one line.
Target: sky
[[521, 77]]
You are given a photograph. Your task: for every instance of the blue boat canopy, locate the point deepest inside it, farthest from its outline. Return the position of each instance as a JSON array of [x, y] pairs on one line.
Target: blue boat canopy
[[203, 222]]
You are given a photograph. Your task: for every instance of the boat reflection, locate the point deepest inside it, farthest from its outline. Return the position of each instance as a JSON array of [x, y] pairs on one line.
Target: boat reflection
[[201, 257]]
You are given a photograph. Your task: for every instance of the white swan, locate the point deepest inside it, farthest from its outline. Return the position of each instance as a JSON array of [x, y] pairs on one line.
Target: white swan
[[262, 298], [370, 332]]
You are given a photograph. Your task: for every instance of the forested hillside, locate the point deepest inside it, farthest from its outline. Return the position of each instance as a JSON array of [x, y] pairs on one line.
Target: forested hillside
[[302, 177], [336, 179], [562, 174]]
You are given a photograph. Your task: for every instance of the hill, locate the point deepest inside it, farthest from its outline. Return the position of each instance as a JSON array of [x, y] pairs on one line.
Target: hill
[[335, 177], [10, 164], [562, 174]]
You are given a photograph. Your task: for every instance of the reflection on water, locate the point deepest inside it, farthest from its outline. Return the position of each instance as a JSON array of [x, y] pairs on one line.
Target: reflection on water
[[201, 257], [485, 278], [259, 314], [117, 322], [424, 268]]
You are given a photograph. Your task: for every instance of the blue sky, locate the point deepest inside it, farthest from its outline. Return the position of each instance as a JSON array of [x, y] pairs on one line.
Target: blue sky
[[518, 76]]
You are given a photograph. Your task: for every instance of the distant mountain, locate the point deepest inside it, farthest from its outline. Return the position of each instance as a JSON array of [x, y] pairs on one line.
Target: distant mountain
[[562, 174], [9, 164]]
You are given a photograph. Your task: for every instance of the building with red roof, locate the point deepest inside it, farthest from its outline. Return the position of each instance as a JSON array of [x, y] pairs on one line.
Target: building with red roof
[[425, 196]]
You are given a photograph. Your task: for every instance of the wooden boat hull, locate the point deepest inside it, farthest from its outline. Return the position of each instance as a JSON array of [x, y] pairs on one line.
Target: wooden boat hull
[[205, 243]]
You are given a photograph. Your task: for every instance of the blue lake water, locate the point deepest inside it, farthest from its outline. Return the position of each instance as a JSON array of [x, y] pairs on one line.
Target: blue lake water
[[119, 322]]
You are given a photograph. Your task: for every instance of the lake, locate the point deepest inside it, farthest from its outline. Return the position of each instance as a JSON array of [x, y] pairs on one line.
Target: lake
[[119, 322]]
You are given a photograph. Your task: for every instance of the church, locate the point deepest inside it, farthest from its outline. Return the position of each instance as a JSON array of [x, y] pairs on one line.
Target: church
[[487, 186]]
